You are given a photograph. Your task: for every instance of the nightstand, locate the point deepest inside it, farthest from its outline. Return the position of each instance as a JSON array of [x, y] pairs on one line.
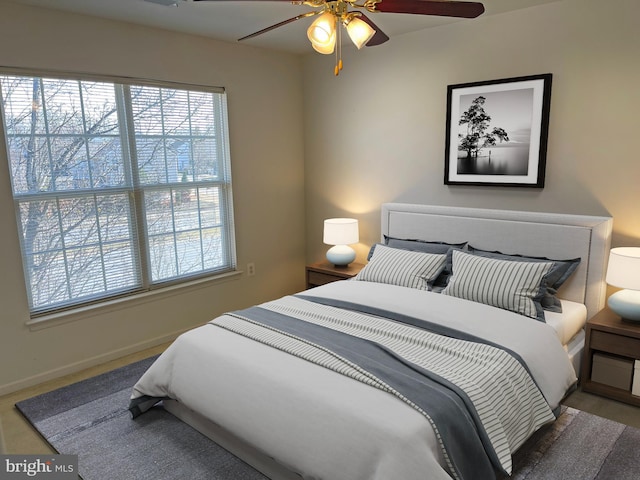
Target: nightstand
[[614, 340], [323, 272]]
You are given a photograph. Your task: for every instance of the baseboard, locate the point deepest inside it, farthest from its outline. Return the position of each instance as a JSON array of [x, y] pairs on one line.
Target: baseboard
[[87, 363]]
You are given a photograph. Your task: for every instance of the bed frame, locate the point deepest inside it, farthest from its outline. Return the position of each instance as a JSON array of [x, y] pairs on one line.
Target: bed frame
[[550, 235]]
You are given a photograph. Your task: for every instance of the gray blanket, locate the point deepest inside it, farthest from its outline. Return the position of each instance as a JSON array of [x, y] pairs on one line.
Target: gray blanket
[[449, 408], [386, 351], [464, 389]]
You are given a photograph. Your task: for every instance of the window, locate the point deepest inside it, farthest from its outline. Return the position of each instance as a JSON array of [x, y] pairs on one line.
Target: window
[[118, 188]]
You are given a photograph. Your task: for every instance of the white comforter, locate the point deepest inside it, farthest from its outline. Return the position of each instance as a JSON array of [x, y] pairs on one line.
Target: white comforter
[[295, 411]]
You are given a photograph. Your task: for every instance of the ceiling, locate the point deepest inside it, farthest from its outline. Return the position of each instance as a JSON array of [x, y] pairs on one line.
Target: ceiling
[[229, 20]]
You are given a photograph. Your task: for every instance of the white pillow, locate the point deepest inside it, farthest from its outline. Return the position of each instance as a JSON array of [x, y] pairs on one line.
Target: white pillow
[[506, 284], [402, 267]]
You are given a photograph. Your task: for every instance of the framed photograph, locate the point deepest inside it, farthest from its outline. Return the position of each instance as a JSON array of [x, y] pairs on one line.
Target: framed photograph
[[497, 132]]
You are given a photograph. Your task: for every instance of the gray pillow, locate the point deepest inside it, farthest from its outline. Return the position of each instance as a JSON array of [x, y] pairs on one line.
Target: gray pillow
[[425, 247], [416, 245], [507, 284], [553, 280], [421, 245]]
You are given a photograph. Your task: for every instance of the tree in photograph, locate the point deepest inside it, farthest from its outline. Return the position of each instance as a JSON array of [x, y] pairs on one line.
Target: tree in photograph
[[478, 124]]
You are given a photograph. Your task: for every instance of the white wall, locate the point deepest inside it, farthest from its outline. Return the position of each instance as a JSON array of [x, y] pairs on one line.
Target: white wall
[[265, 116], [376, 133]]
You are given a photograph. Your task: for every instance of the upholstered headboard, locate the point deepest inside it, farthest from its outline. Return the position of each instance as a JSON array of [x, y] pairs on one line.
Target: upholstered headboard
[[552, 235]]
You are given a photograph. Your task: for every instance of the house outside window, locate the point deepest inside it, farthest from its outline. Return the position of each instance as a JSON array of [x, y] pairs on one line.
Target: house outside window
[[119, 188]]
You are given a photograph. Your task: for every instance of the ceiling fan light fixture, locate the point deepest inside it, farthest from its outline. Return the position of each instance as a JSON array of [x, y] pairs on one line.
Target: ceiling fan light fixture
[[324, 49], [359, 31], [322, 33], [325, 33]]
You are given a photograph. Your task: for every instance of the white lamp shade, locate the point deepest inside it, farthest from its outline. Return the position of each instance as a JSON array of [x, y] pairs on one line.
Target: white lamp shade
[[624, 268], [340, 231], [324, 49], [360, 32], [322, 33], [624, 272]]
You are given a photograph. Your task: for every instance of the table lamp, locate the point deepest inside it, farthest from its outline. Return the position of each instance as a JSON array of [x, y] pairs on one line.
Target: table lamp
[[341, 232], [624, 272]]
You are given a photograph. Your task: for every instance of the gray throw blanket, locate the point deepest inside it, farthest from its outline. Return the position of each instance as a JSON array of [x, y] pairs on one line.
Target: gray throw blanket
[[462, 388], [428, 380]]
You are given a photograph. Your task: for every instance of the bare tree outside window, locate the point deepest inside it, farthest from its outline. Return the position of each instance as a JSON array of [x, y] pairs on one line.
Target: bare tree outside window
[[118, 188]]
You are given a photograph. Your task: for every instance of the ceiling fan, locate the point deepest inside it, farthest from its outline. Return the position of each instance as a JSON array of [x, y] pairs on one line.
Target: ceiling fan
[[324, 33]]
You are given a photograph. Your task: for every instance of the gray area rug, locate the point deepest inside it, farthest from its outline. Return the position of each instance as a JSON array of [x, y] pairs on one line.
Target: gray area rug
[[579, 446], [90, 419]]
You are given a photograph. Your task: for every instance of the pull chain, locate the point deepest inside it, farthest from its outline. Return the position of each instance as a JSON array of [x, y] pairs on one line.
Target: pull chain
[[338, 66]]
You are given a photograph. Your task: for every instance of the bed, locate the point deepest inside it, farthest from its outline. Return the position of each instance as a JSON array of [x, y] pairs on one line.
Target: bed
[[427, 365]]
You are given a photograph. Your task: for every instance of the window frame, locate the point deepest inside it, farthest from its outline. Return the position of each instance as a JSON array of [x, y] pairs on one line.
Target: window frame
[[136, 192]]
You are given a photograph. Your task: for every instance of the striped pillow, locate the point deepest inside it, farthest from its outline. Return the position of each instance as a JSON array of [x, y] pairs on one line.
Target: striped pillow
[[402, 267], [558, 274], [510, 285]]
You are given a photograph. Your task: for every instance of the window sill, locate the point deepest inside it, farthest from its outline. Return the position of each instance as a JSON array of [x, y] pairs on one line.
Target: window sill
[[53, 320]]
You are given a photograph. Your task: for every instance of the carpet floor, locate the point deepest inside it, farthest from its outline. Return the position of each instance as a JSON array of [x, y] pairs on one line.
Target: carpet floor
[[579, 446], [90, 419]]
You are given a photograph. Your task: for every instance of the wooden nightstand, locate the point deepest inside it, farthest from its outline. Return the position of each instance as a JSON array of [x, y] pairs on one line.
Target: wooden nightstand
[[323, 272], [607, 333]]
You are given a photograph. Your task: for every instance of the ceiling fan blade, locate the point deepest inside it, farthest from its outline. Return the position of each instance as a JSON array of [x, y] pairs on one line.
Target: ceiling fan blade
[[431, 7], [379, 37], [279, 24], [287, 1]]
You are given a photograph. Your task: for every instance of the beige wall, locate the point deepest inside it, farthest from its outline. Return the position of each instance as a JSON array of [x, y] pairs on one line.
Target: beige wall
[[372, 135], [265, 116], [376, 133]]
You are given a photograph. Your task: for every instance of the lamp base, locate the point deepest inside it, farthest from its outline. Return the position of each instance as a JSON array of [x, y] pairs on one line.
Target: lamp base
[[341, 255], [626, 303]]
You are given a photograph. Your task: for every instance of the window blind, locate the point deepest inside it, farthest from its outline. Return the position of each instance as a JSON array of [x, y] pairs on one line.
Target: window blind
[[119, 188]]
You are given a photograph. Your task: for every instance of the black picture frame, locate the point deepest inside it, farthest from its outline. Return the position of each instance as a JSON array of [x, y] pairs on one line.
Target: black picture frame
[[497, 132]]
